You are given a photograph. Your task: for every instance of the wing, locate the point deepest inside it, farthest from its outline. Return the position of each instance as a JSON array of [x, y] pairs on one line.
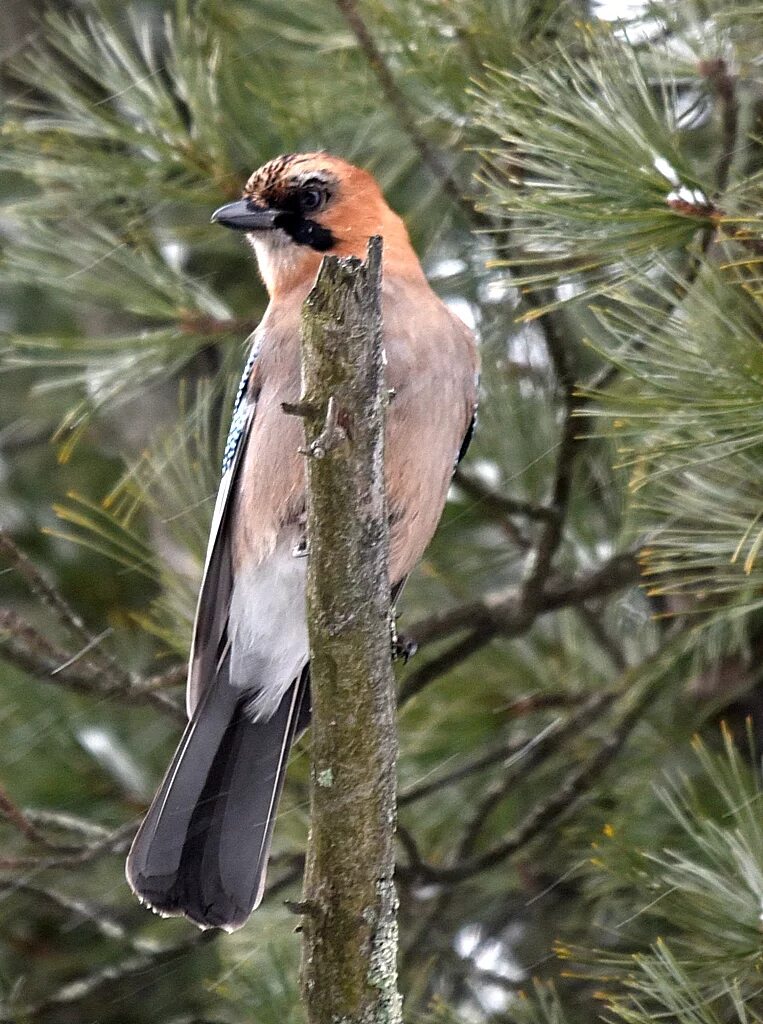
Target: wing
[[467, 439], [209, 629]]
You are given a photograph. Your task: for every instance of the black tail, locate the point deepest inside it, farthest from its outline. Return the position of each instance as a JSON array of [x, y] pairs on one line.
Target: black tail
[[203, 847]]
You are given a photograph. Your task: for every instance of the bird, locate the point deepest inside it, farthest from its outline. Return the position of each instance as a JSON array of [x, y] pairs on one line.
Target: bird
[[203, 846]]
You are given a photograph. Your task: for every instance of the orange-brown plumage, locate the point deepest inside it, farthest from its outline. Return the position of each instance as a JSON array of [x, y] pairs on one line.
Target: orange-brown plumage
[[203, 848], [431, 365], [355, 212]]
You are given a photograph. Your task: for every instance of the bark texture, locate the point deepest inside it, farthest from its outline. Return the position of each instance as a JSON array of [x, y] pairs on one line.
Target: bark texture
[[349, 970]]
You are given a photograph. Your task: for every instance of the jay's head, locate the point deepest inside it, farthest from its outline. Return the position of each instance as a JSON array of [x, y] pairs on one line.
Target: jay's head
[[301, 206]]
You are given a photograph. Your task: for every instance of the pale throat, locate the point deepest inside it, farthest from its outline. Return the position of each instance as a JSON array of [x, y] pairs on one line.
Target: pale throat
[[282, 263]]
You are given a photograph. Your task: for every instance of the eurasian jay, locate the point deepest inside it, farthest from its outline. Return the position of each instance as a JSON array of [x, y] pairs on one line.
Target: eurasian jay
[[203, 847]]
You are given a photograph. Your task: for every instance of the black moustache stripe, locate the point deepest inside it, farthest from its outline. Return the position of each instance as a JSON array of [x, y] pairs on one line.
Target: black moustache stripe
[[304, 231]]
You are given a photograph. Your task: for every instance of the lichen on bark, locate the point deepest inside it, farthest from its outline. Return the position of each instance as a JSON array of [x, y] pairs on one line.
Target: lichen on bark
[[349, 971]]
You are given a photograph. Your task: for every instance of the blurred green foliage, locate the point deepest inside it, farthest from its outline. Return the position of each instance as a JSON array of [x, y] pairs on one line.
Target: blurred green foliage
[[609, 176]]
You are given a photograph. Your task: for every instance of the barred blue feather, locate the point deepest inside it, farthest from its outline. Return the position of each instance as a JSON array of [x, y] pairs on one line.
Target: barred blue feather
[[239, 416]]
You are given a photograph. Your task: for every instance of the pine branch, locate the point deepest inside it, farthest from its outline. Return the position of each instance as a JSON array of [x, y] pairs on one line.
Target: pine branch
[[434, 668], [560, 804], [724, 84], [27, 827], [545, 744], [115, 841], [499, 504], [473, 766], [399, 103], [551, 535], [502, 612], [24, 646], [107, 923], [597, 629], [81, 989], [505, 613], [50, 597], [503, 752]]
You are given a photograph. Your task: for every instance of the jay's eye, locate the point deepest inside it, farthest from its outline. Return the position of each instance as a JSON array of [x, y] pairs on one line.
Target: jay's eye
[[311, 199]]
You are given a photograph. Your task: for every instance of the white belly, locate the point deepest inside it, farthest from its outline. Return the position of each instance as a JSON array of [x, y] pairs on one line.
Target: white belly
[[267, 626]]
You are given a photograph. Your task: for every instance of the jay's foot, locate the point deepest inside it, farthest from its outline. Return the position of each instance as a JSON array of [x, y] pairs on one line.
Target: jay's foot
[[403, 648]]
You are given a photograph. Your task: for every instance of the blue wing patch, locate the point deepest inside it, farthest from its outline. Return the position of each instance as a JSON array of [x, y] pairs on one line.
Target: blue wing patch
[[214, 595], [239, 417]]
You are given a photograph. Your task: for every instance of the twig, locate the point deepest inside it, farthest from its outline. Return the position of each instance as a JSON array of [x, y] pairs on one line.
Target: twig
[[717, 73], [467, 969], [501, 612], [20, 435], [50, 597], [68, 823], [542, 701], [110, 926], [521, 706], [29, 650], [332, 434], [596, 628], [115, 841], [559, 805], [106, 922], [409, 844], [537, 750], [164, 680], [276, 886], [498, 503], [551, 535], [81, 989], [599, 382], [499, 508], [204, 325], [21, 821], [397, 100], [493, 978], [495, 793], [471, 767], [433, 669], [81, 653]]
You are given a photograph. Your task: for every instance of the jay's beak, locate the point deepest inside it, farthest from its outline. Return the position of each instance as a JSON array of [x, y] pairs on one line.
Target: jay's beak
[[244, 215]]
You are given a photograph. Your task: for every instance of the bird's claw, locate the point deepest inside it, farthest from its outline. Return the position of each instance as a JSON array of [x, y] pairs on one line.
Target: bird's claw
[[403, 648], [301, 549]]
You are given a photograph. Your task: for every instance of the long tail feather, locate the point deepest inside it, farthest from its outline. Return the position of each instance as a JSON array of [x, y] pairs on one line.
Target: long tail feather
[[203, 847]]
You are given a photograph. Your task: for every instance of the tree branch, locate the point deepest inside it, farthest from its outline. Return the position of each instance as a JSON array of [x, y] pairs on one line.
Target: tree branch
[[75, 992], [530, 756], [558, 805], [435, 667], [500, 612], [349, 968], [397, 100], [499, 504], [551, 535], [21, 821], [50, 597], [503, 752], [115, 841], [504, 613], [724, 84], [26, 648]]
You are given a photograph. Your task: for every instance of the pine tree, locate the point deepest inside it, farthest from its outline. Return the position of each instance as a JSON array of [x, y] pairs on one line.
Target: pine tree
[[579, 838]]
